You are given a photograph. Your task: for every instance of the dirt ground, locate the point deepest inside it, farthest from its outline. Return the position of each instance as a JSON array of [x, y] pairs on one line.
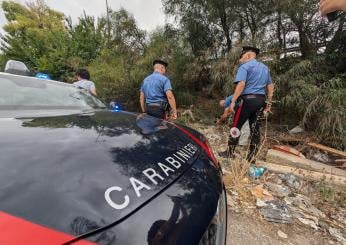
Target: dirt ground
[[246, 229]]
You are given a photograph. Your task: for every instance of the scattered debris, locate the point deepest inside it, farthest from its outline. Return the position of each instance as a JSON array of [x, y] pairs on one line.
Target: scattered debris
[[296, 130], [306, 174], [277, 190], [321, 157], [304, 204], [282, 158], [276, 211], [260, 203], [189, 113], [289, 150], [286, 194], [291, 180], [261, 193], [282, 234], [256, 172], [308, 222], [338, 235], [328, 149]]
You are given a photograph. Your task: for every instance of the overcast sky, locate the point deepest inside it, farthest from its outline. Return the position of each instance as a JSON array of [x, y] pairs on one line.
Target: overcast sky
[[148, 13]]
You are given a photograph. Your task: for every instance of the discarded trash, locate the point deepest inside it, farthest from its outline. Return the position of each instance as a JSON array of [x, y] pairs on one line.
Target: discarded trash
[[291, 180], [260, 203], [338, 235], [256, 172], [189, 113], [328, 149], [304, 204], [282, 235], [296, 130], [276, 211], [277, 190], [320, 157], [308, 222], [261, 193]]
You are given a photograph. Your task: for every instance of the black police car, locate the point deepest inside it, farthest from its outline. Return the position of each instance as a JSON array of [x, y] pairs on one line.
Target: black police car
[[73, 172]]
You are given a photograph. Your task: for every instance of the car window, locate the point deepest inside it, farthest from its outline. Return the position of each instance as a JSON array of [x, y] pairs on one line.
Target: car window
[[18, 92]]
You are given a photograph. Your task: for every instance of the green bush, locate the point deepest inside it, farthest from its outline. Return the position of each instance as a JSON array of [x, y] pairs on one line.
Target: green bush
[[312, 96]]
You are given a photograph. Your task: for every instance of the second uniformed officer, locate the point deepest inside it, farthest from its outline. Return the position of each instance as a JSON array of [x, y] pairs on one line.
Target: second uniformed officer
[[252, 81], [156, 96]]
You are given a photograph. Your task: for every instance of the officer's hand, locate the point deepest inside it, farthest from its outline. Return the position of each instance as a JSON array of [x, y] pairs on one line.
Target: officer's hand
[[174, 115], [220, 121], [328, 6], [267, 110], [140, 115], [231, 107]]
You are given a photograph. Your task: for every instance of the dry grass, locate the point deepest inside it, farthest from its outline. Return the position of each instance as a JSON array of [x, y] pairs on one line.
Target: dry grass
[[235, 169], [236, 178]]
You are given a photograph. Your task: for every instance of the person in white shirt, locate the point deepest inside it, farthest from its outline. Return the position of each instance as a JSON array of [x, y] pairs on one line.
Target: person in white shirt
[[83, 77]]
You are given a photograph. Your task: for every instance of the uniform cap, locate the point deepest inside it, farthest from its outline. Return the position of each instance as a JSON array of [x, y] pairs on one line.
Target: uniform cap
[[161, 62]]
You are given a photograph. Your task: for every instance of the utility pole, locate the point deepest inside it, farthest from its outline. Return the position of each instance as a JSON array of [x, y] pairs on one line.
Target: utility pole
[[108, 25]]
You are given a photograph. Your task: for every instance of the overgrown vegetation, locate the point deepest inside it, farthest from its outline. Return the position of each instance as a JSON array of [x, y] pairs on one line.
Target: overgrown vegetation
[[329, 194], [305, 52]]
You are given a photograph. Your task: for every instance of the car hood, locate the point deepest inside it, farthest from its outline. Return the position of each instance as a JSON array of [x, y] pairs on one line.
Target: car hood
[[78, 173]]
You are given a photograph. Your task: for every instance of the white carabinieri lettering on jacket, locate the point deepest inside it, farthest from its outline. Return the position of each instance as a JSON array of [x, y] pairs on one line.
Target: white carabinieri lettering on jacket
[[155, 174]]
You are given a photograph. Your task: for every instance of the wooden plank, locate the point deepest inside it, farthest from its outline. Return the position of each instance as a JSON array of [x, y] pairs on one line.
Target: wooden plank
[[288, 149], [328, 149], [305, 174], [281, 158]]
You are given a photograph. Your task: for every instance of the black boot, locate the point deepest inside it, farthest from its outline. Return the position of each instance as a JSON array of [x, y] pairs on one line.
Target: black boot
[[228, 153]]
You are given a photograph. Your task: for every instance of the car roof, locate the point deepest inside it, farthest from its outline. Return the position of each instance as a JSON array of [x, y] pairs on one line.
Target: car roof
[[34, 78]]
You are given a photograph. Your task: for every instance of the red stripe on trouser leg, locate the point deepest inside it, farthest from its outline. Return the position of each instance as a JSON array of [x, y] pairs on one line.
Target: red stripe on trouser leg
[[17, 231], [237, 115]]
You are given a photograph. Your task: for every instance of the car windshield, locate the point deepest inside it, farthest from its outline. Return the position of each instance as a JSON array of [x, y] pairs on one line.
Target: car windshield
[[21, 93]]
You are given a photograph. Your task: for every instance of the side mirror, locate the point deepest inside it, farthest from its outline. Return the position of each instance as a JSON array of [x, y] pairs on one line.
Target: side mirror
[[17, 68]]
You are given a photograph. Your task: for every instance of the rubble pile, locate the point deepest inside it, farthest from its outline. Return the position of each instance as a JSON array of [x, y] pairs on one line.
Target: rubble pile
[[289, 192]]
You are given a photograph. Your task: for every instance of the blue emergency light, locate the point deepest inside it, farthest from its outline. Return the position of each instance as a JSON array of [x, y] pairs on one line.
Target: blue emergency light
[[115, 106], [43, 76]]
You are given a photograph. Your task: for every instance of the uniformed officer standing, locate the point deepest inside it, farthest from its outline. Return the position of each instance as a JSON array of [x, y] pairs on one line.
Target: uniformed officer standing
[[156, 96], [252, 81]]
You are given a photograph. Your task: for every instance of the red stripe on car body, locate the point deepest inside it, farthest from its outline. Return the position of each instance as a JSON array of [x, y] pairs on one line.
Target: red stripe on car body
[[17, 231], [205, 147]]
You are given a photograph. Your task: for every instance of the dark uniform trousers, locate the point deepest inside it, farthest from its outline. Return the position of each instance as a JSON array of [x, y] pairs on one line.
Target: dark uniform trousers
[[249, 110], [155, 110]]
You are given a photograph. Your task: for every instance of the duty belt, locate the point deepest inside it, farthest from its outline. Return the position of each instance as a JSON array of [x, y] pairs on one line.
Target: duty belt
[[153, 104], [253, 96]]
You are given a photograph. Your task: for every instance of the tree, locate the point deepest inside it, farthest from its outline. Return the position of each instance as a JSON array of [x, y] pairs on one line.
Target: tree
[[207, 23], [125, 35], [36, 35], [88, 38], [311, 28]]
